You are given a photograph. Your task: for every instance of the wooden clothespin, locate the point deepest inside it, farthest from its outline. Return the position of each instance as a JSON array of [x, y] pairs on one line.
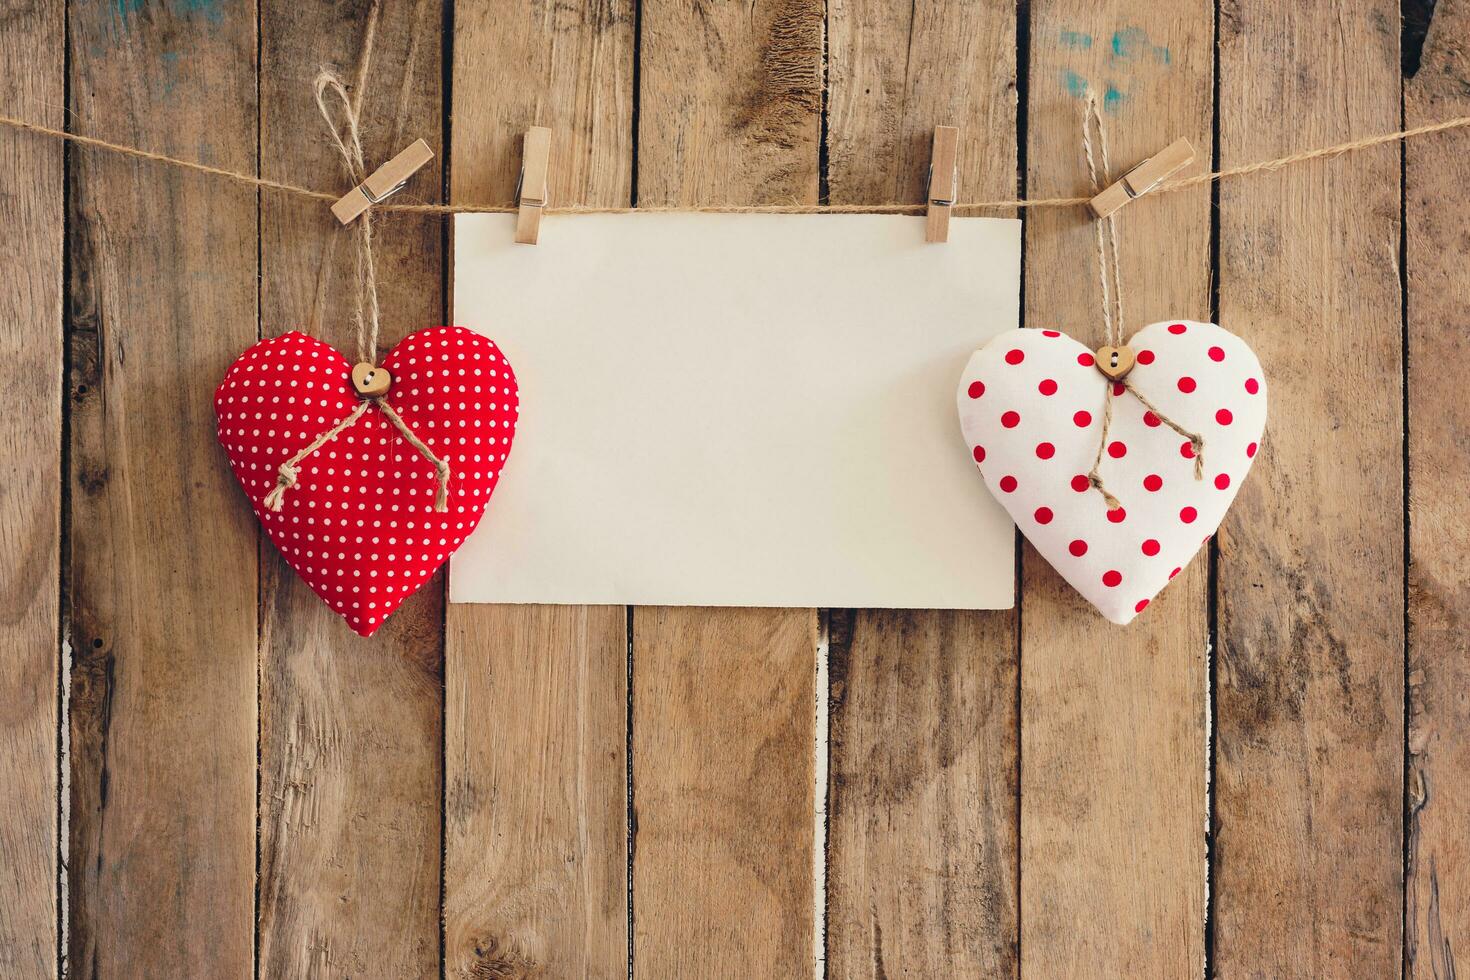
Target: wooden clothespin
[[1143, 178], [944, 181], [386, 181], [531, 189]]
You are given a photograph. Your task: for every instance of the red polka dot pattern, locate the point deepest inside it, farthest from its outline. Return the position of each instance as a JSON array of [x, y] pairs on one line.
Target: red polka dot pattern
[[1040, 424], [359, 525]]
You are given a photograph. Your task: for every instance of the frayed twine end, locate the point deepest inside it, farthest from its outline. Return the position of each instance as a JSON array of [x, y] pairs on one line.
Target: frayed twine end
[[1097, 484], [441, 495], [276, 499]]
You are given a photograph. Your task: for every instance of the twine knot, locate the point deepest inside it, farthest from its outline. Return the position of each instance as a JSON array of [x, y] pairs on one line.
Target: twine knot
[[285, 480], [1095, 479]]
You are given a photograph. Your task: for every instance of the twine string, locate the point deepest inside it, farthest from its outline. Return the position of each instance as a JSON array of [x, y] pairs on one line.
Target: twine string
[[1106, 229], [1110, 281], [367, 313], [286, 477], [348, 140], [283, 187], [441, 468]]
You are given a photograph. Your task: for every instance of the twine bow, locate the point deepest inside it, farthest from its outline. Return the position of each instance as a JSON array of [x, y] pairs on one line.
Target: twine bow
[[1111, 281], [367, 311]]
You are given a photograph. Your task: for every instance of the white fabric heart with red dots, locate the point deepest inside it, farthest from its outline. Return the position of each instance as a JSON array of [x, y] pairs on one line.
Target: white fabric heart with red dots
[[1031, 405]]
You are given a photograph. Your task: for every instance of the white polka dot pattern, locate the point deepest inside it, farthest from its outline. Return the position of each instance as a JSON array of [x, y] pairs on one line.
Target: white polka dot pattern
[[359, 525], [1030, 405]]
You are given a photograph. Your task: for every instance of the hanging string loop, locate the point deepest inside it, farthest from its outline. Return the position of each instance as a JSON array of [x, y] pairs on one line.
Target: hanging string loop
[[1110, 283]]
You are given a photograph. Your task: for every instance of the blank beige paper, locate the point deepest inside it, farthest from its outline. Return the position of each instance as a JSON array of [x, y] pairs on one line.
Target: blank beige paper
[[738, 410]]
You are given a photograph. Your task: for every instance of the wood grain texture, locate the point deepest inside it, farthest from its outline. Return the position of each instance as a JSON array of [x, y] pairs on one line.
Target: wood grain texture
[[537, 795], [730, 102], [32, 55], [1113, 741], [723, 794], [723, 699], [922, 870], [1437, 212], [536, 703], [350, 734], [922, 840], [163, 547], [1309, 766]]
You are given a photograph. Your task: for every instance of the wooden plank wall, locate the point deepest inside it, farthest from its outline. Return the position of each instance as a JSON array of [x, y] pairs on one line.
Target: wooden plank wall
[[1437, 848], [204, 773], [32, 50], [921, 849], [163, 572], [1113, 721], [350, 737], [1310, 729], [536, 874]]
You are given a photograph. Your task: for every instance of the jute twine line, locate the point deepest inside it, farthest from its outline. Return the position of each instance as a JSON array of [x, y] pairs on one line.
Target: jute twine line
[[348, 140], [1260, 166], [1110, 281], [367, 313]]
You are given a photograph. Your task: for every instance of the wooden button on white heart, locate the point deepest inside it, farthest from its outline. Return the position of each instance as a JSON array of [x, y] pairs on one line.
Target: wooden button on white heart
[[1031, 407]]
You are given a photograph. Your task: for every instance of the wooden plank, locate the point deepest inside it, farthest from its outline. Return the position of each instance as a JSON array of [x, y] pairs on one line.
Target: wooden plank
[[922, 844], [1309, 766], [1438, 860], [163, 548], [1437, 903], [537, 795], [350, 734], [723, 795], [32, 53], [922, 835], [1113, 743], [536, 705], [723, 700]]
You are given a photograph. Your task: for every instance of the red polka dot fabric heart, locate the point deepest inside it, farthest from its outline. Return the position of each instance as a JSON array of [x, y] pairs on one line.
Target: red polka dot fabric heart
[[1031, 407], [359, 524]]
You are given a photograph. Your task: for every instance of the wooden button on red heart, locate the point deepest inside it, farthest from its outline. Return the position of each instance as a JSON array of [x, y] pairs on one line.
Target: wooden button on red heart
[[358, 524]]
